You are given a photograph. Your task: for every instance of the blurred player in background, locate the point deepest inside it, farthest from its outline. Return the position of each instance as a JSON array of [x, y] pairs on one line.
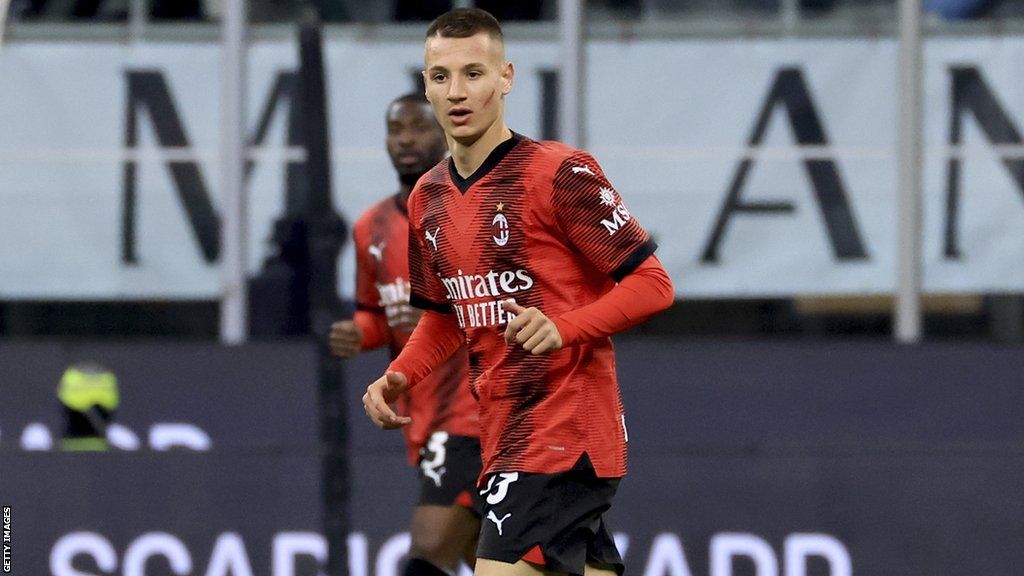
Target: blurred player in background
[[444, 436], [525, 251]]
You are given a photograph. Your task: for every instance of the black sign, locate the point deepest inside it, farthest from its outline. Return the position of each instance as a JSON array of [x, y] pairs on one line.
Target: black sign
[[746, 459]]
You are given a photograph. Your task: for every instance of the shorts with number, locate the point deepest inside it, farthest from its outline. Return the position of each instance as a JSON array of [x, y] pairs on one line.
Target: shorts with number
[[449, 467], [551, 520]]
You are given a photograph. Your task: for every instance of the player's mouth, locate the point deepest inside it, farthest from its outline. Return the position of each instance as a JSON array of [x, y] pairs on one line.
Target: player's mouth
[[459, 116], [409, 159]]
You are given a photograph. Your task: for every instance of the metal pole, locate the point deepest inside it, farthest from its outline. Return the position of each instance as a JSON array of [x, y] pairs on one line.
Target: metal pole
[[650, 11], [907, 325], [325, 234], [4, 6], [790, 16], [233, 313], [137, 19], [571, 21]]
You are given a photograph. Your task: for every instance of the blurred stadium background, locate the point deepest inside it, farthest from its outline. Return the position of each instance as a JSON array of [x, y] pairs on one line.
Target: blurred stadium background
[[836, 187]]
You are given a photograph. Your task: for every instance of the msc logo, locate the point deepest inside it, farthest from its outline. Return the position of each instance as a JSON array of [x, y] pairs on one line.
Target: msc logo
[[619, 216]]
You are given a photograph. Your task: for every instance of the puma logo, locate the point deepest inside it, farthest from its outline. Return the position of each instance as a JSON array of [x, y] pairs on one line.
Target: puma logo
[[377, 251], [498, 523], [432, 238]]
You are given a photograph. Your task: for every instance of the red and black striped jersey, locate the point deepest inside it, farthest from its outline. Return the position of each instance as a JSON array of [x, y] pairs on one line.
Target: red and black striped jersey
[[538, 223], [443, 401]]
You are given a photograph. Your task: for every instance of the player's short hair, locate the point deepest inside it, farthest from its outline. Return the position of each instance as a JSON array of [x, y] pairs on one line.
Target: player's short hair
[[465, 22], [411, 98]]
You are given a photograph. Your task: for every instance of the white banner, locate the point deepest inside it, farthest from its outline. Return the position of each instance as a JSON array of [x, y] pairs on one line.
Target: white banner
[[763, 168]]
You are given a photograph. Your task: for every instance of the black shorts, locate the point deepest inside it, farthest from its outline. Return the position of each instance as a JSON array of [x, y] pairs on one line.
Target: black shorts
[[554, 520], [448, 470]]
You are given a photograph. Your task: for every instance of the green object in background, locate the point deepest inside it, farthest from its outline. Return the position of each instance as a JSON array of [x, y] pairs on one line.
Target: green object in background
[[83, 387], [84, 444], [90, 397]]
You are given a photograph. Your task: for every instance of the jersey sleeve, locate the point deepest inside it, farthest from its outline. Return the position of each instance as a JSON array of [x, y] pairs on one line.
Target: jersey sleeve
[[374, 327], [595, 220], [367, 295], [435, 338], [426, 292], [641, 294]]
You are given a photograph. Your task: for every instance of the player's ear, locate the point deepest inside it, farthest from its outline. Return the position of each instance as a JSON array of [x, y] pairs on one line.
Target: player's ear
[[507, 75], [424, 74]]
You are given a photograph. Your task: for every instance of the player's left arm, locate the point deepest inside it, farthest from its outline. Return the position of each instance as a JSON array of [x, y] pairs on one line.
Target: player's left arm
[[596, 222], [643, 293]]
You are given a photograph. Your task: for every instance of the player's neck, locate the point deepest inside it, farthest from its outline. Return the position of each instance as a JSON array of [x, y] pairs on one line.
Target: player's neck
[[403, 193], [469, 156]]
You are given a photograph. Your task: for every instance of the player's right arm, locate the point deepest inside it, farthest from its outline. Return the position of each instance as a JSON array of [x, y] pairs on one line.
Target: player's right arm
[[436, 337], [379, 397]]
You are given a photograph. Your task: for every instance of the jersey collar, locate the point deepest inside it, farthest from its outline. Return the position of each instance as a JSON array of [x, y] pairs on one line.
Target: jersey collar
[[492, 160]]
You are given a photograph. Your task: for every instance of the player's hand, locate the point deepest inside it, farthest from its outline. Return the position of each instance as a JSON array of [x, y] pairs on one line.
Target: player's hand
[[531, 329], [346, 339], [381, 395]]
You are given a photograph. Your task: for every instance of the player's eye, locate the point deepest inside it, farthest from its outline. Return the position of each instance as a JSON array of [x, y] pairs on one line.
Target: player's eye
[[474, 74], [438, 77]]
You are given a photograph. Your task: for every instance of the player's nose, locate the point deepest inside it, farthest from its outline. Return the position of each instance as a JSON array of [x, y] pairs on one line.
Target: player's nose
[[456, 90], [406, 137]]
